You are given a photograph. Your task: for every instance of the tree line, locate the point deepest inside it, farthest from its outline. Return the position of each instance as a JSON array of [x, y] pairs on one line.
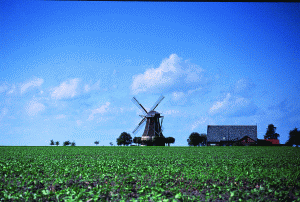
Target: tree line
[[294, 135], [66, 143], [126, 139], [195, 139]]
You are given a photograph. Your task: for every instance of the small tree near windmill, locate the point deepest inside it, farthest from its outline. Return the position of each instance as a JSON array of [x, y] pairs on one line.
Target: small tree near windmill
[[51, 142], [73, 143], [57, 143], [170, 140], [137, 140], [66, 143], [111, 144], [96, 143], [124, 139], [159, 140]]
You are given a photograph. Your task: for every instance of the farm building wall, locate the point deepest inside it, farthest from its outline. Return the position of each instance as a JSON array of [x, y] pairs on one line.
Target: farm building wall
[[274, 141], [218, 133]]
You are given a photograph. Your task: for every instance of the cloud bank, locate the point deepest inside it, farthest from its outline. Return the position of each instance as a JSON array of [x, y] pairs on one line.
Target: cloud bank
[[173, 73]]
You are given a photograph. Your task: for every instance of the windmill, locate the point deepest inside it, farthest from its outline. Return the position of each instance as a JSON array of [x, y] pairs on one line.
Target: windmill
[[153, 126]]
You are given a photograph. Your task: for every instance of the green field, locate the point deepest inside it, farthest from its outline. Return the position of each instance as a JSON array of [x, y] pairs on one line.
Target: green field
[[149, 173]]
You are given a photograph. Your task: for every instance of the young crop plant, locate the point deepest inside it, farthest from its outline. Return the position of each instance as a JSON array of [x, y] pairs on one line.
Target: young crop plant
[[149, 174]]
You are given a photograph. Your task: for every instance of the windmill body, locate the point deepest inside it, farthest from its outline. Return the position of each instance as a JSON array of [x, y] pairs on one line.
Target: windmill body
[[153, 125]]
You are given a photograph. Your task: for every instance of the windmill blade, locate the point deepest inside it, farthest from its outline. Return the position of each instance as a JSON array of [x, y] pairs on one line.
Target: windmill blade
[[139, 125], [134, 100], [157, 102], [142, 116]]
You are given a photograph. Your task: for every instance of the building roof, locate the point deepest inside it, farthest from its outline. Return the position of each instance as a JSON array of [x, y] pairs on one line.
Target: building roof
[[217, 133]]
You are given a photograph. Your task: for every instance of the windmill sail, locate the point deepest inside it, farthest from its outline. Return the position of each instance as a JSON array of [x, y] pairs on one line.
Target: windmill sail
[[157, 102], [134, 100]]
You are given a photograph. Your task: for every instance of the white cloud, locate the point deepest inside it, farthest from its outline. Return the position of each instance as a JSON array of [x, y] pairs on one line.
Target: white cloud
[[195, 90], [179, 98], [87, 88], [102, 119], [199, 122], [79, 122], [172, 71], [234, 106], [12, 90], [171, 112], [100, 110], [65, 90], [244, 87], [33, 108], [61, 116], [177, 95], [3, 88], [4, 111], [218, 106], [33, 83]]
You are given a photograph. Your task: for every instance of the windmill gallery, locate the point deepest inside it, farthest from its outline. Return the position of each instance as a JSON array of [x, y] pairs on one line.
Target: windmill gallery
[[217, 135]]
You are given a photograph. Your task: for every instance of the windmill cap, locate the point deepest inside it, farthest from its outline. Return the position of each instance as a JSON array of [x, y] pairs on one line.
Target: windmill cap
[[153, 113]]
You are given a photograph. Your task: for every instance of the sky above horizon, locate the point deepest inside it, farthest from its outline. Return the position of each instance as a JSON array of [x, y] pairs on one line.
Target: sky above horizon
[[68, 70]]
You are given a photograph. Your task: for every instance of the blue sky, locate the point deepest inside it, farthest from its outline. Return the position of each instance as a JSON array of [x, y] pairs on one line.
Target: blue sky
[[68, 70]]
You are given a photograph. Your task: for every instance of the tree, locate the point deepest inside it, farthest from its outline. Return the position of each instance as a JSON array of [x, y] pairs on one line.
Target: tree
[[66, 143], [203, 139], [111, 144], [147, 142], [159, 140], [73, 143], [137, 140], [194, 139], [96, 142], [170, 140], [57, 143], [294, 138], [270, 134], [51, 142], [124, 139]]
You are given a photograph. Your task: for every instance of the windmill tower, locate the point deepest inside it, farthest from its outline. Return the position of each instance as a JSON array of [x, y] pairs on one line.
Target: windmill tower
[[153, 125]]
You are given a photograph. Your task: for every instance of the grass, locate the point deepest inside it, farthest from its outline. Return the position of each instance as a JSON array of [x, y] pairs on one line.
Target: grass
[[149, 173]]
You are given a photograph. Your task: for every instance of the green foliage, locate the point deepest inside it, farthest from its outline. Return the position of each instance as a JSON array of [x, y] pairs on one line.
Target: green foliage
[[170, 140], [270, 134], [66, 143], [73, 144], [195, 139], [294, 138], [111, 144], [159, 140], [137, 140], [51, 142], [203, 138], [57, 143], [96, 143], [149, 174], [124, 139], [147, 142]]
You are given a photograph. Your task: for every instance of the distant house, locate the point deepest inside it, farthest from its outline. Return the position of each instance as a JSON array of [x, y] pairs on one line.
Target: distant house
[[268, 142], [221, 135], [274, 141]]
